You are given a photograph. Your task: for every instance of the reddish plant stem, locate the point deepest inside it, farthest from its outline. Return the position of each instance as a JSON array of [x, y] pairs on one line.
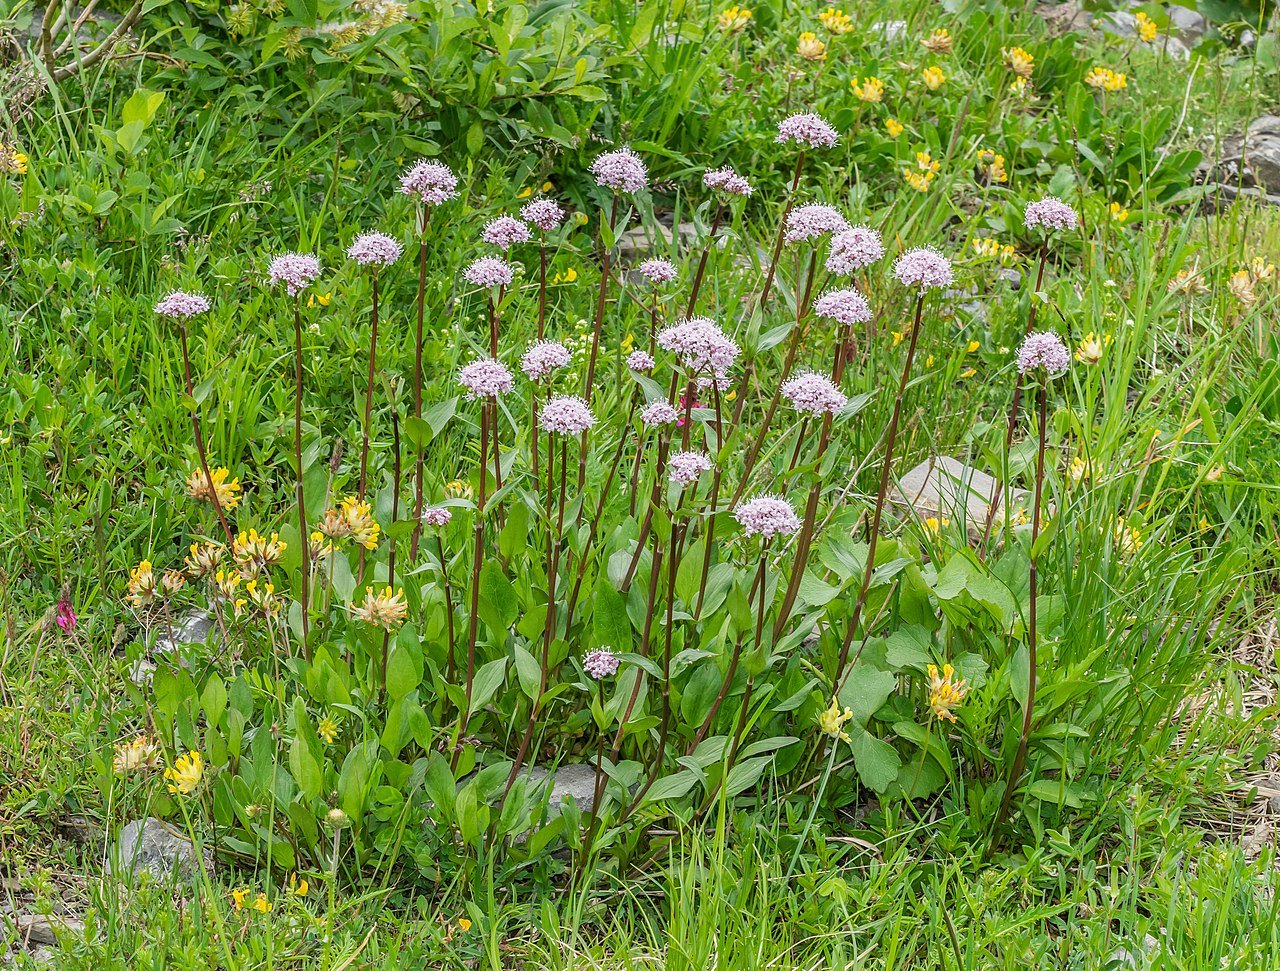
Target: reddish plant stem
[[645, 526], [448, 605], [199, 436], [782, 225], [712, 502], [305, 539], [391, 553], [702, 263], [890, 439], [368, 415], [606, 252], [1000, 493], [757, 440], [1020, 757], [473, 623], [417, 389]]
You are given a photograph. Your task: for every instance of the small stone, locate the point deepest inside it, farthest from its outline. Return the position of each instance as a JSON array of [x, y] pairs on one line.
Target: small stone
[[192, 628], [948, 489], [39, 929], [157, 848], [1135, 955], [890, 29], [641, 242], [576, 781]]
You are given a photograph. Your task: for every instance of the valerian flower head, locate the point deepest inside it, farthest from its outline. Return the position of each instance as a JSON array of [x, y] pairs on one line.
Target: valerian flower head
[[295, 270], [182, 305], [1044, 353], [767, 517], [657, 272], [542, 358], [374, 249], [621, 170], [543, 213], [813, 394], [853, 249], [1050, 214], [700, 345], [485, 378], [640, 361], [431, 182], [813, 221], [685, 467], [658, 413], [601, 663], [807, 130], [727, 182], [489, 271], [923, 267], [846, 307], [437, 516], [505, 231], [567, 415]]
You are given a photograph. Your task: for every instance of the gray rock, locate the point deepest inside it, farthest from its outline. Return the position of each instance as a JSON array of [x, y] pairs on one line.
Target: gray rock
[[1191, 25], [576, 781], [1252, 160], [155, 847], [949, 489], [1135, 955], [1121, 23], [890, 29], [191, 628], [39, 929], [641, 242]]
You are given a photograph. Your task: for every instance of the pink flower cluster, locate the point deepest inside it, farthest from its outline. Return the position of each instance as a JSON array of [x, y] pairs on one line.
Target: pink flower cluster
[[436, 516], [431, 182], [1044, 352], [183, 304], [767, 517], [700, 345], [567, 414], [725, 180], [621, 170], [601, 664], [813, 394], [543, 213], [854, 249], [923, 267], [640, 361], [1050, 214], [374, 249], [811, 221], [505, 231], [687, 466], [489, 271], [542, 358], [657, 272], [658, 413], [808, 130], [485, 378], [846, 307], [295, 270]]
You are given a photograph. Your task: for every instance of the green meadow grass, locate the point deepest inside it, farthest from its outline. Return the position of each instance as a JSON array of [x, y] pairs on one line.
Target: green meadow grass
[[1142, 842]]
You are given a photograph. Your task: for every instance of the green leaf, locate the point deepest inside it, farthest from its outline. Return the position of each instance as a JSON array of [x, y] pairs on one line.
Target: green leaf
[[875, 759], [405, 665], [671, 786], [609, 618], [865, 690], [486, 683], [528, 670], [499, 604], [1020, 675]]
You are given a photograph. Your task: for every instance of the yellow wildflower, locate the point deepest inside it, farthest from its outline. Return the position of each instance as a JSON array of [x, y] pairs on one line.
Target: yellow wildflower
[[1261, 269], [185, 774], [1187, 282], [810, 47], [171, 581], [359, 516], [1078, 472], [973, 346], [11, 160], [204, 558], [832, 721], [893, 127], [142, 584], [991, 166], [921, 177], [1019, 87], [1214, 474], [1105, 79], [945, 692], [1203, 524], [933, 77], [261, 904], [1118, 212], [1126, 539], [327, 729], [139, 755], [1145, 27], [321, 299], [939, 42], [871, 90], [933, 526], [254, 552], [525, 193], [568, 276], [457, 489], [968, 373], [1091, 347], [898, 335], [733, 19], [238, 897], [299, 888], [836, 21], [464, 924], [263, 597], [386, 610], [1241, 287], [1019, 61]]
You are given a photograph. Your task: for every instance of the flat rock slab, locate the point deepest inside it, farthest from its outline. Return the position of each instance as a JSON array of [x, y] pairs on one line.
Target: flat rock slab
[[948, 489], [576, 781], [157, 848], [38, 929]]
